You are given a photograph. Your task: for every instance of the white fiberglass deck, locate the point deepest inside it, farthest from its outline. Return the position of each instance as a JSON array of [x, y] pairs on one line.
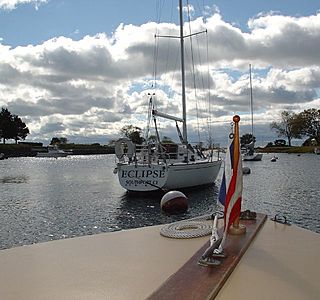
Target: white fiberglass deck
[[281, 263]]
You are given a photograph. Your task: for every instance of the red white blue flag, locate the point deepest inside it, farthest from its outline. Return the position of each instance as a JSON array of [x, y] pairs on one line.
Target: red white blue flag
[[232, 182], [227, 172]]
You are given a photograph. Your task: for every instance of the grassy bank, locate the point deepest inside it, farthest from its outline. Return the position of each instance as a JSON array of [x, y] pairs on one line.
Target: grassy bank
[[16, 150], [287, 149], [87, 149], [13, 150]]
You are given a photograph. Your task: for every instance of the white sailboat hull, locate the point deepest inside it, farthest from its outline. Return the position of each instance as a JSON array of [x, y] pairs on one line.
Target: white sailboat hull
[[253, 157], [153, 177], [142, 177], [192, 174]]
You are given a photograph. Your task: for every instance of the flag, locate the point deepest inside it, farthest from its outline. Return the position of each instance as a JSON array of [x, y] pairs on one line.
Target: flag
[[232, 207], [227, 172], [231, 190], [223, 188]]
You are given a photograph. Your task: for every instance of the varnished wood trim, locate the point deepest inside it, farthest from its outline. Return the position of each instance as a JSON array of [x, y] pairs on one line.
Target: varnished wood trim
[[193, 281]]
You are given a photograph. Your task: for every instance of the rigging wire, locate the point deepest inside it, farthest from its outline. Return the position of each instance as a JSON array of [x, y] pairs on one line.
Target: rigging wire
[[205, 87], [209, 120], [206, 108], [193, 71], [201, 105], [159, 10], [167, 56], [176, 60]]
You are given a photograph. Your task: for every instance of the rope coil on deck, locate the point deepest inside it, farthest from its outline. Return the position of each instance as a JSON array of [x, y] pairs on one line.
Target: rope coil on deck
[[187, 229]]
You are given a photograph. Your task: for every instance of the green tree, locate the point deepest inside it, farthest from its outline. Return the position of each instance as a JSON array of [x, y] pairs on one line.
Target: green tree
[[58, 141], [55, 141], [63, 140], [11, 126], [167, 140], [20, 129], [133, 133], [247, 139], [309, 123], [287, 126], [5, 124]]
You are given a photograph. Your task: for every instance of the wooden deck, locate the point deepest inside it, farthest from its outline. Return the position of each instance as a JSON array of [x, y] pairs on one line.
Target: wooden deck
[[193, 281]]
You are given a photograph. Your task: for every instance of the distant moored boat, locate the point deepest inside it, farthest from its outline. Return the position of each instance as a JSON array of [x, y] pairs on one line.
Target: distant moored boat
[[249, 154], [53, 151]]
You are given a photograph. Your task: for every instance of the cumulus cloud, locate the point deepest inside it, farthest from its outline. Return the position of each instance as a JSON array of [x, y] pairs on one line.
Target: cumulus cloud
[[188, 9], [12, 4], [95, 85]]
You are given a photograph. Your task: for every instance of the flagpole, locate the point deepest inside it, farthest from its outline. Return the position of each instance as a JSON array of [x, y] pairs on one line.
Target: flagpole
[[236, 228]]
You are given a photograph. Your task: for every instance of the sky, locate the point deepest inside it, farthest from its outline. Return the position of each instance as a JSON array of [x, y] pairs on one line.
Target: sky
[[83, 69]]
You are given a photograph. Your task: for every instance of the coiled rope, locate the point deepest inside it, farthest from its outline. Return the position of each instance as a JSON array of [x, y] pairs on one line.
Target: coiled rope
[[199, 226], [187, 229]]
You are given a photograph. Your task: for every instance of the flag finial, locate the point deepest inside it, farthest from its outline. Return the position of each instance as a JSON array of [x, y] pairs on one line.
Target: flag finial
[[236, 119]]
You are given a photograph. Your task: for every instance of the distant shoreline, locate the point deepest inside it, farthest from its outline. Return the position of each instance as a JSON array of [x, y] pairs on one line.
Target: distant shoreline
[[26, 150], [287, 149]]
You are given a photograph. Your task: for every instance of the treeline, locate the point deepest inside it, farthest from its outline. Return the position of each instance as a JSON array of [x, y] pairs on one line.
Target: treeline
[[81, 149], [12, 127], [305, 124]]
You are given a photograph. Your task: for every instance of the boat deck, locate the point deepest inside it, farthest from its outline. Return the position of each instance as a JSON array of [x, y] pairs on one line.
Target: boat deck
[[281, 263]]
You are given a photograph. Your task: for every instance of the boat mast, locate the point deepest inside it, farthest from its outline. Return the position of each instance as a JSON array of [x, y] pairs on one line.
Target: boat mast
[[184, 109], [251, 101]]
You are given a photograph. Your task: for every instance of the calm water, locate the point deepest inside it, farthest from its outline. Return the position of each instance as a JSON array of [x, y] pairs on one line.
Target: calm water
[[49, 199]]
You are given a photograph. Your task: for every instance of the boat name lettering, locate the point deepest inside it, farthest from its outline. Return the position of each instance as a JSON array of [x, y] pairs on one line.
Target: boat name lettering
[[143, 174], [135, 182]]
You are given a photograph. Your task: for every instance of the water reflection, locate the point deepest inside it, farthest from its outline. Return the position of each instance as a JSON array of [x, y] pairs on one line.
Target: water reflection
[[288, 187], [138, 210], [48, 199], [14, 179]]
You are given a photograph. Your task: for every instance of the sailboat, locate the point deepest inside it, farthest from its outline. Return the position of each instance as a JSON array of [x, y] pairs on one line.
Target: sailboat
[[159, 166], [250, 154]]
